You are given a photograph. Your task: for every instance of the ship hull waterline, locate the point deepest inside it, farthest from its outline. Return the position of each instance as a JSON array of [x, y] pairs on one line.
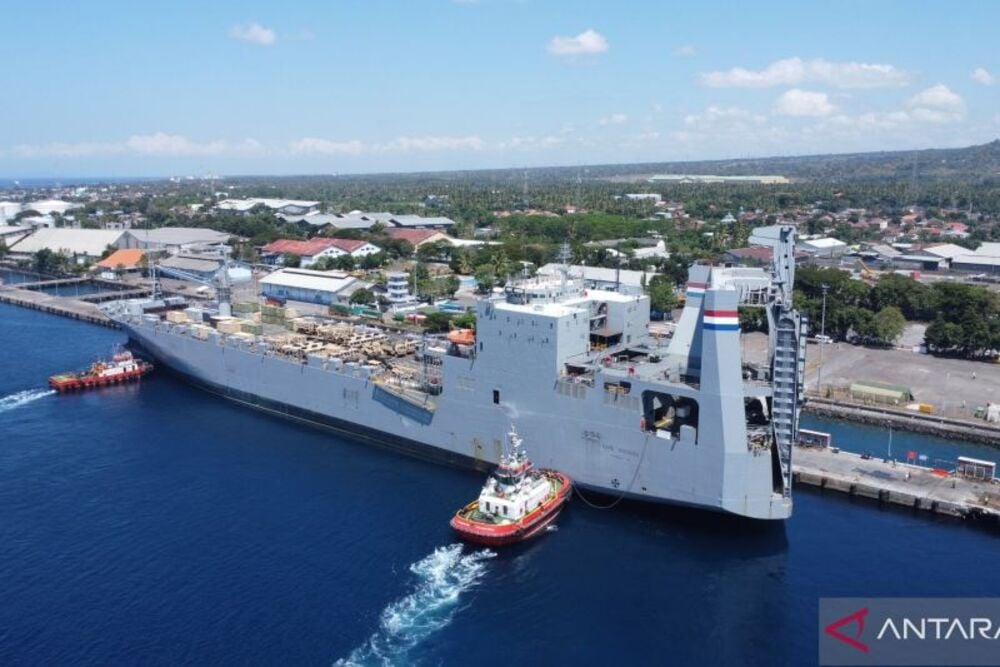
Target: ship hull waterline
[[416, 449]]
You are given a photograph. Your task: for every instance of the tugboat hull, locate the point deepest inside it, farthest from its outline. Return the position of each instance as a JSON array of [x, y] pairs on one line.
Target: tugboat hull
[[490, 534]]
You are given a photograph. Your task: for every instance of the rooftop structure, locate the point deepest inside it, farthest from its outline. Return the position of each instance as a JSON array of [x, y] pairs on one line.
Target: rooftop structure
[[290, 206], [597, 277], [420, 222], [83, 244], [127, 258], [823, 247], [316, 248], [10, 234], [175, 239], [948, 251], [324, 287], [49, 206], [203, 267], [707, 178], [418, 237]]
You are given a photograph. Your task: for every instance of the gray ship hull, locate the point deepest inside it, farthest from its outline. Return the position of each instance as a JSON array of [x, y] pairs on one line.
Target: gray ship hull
[[590, 435]]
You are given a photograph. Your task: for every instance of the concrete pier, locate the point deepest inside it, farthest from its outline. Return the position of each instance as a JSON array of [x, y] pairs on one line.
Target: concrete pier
[[57, 305], [943, 427], [897, 483]]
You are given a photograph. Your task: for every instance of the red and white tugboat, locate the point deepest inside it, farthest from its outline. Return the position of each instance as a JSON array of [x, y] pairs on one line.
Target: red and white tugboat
[[517, 502], [122, 368]]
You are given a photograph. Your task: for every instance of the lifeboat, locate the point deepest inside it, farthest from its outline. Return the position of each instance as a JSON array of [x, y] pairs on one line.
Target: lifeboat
[[517, 502], [123, 367], [462, 336]]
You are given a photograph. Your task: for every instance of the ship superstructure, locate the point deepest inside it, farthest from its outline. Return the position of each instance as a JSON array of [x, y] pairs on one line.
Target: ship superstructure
[[618, 409]]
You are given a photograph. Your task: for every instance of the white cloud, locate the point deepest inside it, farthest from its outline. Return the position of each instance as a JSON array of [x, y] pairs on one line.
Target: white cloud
[[614, 119], [983, 76], [531, 143], [937, 104], [254, 33], [432, 143], [172, 145], [66, 150], [686, 51], [586, 43], [794, 71], [159, 144], [723, 117], [425, 144], [797, 102], [313, 145]]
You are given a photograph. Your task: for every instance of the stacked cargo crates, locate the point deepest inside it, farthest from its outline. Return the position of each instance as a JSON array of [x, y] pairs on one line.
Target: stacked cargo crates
[[272, 315], [245, 307]]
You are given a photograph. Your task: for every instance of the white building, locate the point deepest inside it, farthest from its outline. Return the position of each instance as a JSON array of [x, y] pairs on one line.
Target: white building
[[285, 206], [398, 287], [823, 247], [179, 239], [323, 287], [658, 251], [82, 245]]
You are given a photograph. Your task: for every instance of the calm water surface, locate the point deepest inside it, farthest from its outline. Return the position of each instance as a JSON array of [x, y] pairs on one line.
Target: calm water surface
[[161, 525]]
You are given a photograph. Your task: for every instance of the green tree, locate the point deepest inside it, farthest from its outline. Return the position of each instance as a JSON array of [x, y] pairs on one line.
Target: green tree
[[363, 296], [662, 296], [290, 260], [345, 262], [450, 285], [889, 324], [437, 322], [485, 277], [46, 261], [465, 265], [465, 321]]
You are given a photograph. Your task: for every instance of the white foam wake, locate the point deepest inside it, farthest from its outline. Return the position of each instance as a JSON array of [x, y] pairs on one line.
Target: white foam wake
[[20, 398], [441, 578]]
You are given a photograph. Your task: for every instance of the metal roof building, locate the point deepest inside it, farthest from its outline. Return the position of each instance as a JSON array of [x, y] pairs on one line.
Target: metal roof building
[[83, 244], [421, 222], [324, 287], [174, 239]]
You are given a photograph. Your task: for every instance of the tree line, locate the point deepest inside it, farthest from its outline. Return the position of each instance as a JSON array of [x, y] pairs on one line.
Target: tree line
[[964, 320]]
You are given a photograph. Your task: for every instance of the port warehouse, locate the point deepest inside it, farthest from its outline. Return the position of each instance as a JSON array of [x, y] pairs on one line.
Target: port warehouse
[[87, 245], [319, 287]]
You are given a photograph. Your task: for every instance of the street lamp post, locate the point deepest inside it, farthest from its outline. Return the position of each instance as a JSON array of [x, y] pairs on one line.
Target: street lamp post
[[822, 343]]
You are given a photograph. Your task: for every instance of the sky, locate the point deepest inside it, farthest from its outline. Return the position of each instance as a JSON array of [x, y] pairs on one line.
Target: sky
[[171, 87]]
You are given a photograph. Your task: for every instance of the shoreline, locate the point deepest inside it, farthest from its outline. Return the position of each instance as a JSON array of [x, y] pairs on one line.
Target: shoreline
[[944, 427]]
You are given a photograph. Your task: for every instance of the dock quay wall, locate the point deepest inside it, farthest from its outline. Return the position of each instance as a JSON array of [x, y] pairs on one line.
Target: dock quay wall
[[945, 427], [894, 483], [65, 307]]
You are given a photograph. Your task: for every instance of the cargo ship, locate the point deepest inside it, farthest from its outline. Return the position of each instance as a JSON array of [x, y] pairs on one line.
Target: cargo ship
[[619, 409], [123, 367]]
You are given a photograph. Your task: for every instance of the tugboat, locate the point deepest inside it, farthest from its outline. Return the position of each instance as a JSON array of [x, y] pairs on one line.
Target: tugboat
[[517, 502], [122, 368]]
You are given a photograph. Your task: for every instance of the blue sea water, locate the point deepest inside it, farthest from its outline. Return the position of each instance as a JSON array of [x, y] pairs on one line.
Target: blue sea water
[[156, 524]]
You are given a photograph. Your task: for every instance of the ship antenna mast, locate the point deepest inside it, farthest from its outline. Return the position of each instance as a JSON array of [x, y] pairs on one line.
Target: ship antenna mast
[[564, 257]]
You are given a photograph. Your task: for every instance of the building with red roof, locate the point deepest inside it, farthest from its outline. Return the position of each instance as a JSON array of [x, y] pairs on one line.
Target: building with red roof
[[417, 237], [311, 251]]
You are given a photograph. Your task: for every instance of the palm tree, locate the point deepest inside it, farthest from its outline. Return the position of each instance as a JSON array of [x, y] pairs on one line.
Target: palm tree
[[465, 265]]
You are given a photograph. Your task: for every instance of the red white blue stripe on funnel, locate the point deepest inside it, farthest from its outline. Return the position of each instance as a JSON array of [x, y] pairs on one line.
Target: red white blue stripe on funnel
[[722, 320], [696, 290]]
